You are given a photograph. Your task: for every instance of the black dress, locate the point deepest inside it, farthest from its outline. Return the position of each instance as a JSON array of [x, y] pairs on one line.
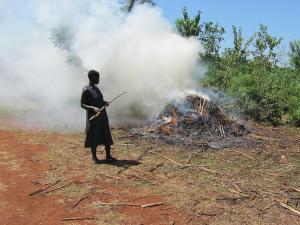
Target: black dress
[[97, 130]]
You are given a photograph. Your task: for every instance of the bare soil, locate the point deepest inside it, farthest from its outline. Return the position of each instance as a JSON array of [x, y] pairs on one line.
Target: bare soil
[[241, 185]]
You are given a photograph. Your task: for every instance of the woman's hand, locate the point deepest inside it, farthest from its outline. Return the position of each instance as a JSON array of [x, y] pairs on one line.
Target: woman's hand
[[96, 109]]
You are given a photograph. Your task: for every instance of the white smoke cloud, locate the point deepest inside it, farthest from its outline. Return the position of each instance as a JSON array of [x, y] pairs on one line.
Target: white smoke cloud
[[139, 53]]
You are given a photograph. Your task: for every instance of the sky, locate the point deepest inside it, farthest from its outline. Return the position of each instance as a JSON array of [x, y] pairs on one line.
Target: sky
[[281, 16]]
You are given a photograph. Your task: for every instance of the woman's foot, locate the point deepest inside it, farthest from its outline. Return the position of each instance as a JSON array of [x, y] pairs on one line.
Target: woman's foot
[[96, 160], [110, 158]]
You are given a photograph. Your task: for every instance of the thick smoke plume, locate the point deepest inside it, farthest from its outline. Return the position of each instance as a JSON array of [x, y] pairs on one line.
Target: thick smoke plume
[[47, 47]]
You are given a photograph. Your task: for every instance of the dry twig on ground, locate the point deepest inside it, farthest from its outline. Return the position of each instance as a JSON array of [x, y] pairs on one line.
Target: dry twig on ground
[[78, 218], [289, 208], [244, 154], [44, 189], [177, 163], [80, 200]]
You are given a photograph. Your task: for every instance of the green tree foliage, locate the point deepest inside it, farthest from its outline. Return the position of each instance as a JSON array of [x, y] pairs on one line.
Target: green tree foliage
[[264, 46], [188, 27], [239, 53], [295, 54], [209, 33], [248, 72], [211, 37]]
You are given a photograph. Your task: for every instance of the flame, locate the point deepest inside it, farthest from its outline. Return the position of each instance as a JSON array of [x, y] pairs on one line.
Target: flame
[[166, 130], [174, 118]]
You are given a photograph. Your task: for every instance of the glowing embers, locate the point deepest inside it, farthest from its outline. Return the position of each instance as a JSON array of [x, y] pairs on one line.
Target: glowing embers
[[170, 124]]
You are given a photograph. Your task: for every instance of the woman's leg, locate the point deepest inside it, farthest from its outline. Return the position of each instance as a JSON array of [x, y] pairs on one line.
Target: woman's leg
[[94, 154], [108, 155]]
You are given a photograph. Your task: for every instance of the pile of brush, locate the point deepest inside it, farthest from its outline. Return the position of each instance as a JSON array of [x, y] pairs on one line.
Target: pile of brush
[[193, 122]]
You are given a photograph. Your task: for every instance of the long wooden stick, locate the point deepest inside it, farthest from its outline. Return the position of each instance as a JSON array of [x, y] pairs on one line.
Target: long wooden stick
[[290, 208], [295, 189], [80, 200], [152, 204], [101, 109], [244, 154], [208, 170], [44, 189], [177, 163], [55, 189], [131, 204], [79, 218], [117, 178], [119, 204]]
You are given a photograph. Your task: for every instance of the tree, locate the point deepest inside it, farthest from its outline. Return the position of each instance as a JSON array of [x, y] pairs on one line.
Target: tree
[[62, 37], [238, 54], [295, 54], [129, 4], [264, 46], [211, 37], [188, 27]]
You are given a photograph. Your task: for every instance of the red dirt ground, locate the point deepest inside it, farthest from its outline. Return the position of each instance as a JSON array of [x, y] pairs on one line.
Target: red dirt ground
[[17, 207], [22, 168]]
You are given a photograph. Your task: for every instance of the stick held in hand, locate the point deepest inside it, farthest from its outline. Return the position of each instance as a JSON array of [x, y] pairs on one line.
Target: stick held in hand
[[96, 115]]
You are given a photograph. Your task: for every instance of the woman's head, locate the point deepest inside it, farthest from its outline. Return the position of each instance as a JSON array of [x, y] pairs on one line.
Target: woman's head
[[94, 76]]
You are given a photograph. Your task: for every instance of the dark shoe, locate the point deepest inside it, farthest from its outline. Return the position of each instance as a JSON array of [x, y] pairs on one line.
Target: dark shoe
[[96, 160], [110, 158]]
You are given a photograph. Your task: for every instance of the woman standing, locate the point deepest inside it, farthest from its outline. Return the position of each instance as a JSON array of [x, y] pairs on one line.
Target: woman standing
[[97, 130]]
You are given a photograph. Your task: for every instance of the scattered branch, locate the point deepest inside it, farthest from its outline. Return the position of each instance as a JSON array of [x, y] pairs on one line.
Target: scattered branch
[[264, 138], [80, 200], [177, 163], [295, 189], [244, 154], [289, 208], [55, 189], [79, 218], [118, 204], [208, 170], [112, 177], [44, 189], [152, 204], [131, 204]]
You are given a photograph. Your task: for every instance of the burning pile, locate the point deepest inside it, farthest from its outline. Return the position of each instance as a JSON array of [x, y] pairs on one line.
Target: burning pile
[[194, 122]]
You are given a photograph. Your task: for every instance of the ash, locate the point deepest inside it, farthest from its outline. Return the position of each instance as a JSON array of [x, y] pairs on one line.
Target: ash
[[195, 123]]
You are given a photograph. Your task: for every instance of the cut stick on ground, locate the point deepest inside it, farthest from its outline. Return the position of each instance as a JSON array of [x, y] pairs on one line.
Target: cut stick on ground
[[269, 206], [295, 189], [131, 204], [79, 218], [208, 170], [119, 204], [289, 208], [177, 163], [264, 138], [80, 200], [244, 154], [112, 177], [55, 189], [44, 189], [152, 204]]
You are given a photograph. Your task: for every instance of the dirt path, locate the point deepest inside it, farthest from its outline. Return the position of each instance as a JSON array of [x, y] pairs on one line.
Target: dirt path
[[21, 171]]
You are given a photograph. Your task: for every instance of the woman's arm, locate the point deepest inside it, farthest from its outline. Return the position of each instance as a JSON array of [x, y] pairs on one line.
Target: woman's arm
[[89, 107]]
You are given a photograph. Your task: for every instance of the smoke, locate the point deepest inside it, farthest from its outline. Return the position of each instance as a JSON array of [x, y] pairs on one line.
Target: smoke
[[47, 47]]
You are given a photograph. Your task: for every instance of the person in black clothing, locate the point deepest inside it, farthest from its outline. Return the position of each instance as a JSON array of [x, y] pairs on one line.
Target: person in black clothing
[[97, 130]]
